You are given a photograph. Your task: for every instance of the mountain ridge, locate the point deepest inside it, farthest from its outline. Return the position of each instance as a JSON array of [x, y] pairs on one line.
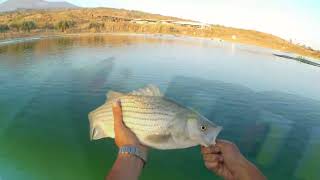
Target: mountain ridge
[[12, 5]]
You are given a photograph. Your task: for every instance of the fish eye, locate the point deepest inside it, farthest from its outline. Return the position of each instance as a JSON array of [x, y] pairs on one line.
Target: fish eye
[[203, 128]]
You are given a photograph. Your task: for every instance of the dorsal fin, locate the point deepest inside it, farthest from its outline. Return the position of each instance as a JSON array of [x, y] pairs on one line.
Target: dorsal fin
[[149, 90], [111, 95]]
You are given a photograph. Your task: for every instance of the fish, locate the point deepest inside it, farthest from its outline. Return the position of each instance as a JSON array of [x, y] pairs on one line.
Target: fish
[[158, 122]]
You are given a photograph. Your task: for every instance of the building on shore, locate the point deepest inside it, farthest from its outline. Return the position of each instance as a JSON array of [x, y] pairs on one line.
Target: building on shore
[[191, 24], [144, 21], [171, 22]]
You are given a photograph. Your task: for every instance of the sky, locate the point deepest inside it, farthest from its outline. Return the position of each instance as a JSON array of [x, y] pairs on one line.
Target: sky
[[298, 20]]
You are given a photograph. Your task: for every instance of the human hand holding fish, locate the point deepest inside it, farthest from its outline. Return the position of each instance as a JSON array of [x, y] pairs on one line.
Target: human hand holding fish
[[144, 118], [123, 135], [127, 166], [225, 159]]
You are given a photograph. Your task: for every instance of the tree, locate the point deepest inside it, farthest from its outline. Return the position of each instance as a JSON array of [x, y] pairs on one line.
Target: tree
[[64, 25], [4, 28], [27, 26], [15, 25]]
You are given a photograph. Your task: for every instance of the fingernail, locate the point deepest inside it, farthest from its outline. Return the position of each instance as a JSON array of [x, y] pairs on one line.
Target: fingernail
[[115, 103], [220, 158], [216, 149]]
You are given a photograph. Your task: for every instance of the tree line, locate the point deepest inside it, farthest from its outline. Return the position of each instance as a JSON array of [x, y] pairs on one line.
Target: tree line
[[28, 26]]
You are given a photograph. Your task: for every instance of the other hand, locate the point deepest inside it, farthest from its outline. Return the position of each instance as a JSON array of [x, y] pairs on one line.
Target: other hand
[[226, 160]]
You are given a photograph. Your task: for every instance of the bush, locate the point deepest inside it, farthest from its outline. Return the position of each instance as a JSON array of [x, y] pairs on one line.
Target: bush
[[97, 26], [64, 25], [4, 28], [173, 29], [300, 58], [15, 25], [48, 26], [27, 26]]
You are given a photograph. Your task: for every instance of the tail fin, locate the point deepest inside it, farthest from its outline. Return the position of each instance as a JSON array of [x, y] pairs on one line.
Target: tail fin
[[101, 124]]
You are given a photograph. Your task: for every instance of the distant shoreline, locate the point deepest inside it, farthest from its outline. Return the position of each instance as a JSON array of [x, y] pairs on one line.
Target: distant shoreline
[[107, 21], [32, 36]]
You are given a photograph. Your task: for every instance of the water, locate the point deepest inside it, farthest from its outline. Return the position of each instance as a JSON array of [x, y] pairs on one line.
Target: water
[[269, 106]]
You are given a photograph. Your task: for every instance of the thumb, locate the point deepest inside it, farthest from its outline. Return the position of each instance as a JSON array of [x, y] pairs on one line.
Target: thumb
[[117, 115], [222, 143]]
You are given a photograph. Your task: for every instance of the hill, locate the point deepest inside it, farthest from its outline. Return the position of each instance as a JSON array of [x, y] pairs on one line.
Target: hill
[[12, 5], [105, 20]]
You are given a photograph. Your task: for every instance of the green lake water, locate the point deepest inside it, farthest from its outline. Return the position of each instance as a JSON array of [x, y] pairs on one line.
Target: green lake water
[[268, 105]]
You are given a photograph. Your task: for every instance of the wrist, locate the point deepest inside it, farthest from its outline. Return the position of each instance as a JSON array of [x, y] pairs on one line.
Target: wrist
[[140, 146], [127, 166], [239, 167], [133, 151], [245, 170], [130, 157]]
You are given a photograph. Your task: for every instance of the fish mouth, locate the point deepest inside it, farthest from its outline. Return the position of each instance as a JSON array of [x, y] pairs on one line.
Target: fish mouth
[[218, 130], [211, 139]]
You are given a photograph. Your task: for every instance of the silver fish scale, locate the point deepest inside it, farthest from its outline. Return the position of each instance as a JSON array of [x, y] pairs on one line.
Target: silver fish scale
[[142, 114], [146, 114], [148, 102]]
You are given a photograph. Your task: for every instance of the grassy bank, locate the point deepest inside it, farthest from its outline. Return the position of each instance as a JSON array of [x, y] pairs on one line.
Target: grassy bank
[[107, 20]]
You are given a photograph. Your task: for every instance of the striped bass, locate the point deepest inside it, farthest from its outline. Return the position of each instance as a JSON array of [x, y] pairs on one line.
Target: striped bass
[[158, 122]]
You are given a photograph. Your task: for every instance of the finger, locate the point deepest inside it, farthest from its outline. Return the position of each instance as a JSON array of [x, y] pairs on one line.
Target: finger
[[213, 158], [206, 150], [210, 150], [212, 165], [215, 149], [117, 115], [224, 145], [222, 142], [222, 171]]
